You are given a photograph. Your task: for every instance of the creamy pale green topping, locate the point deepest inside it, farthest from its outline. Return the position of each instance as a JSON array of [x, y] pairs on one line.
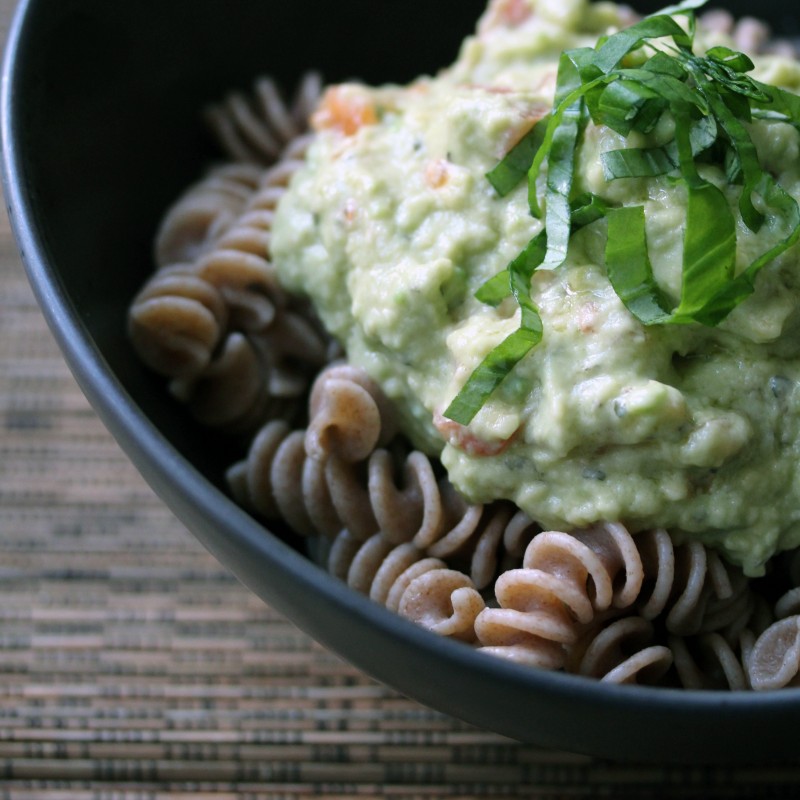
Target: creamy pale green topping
[[392, 226]]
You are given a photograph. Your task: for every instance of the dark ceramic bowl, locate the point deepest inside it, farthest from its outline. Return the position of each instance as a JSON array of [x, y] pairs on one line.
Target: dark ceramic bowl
[[100, 132]]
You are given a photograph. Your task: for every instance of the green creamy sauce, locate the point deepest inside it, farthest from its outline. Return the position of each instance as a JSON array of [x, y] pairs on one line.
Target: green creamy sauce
[[390, 230]]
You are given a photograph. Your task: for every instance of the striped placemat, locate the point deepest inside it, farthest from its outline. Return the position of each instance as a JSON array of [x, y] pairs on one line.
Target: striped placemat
[[132, 665]]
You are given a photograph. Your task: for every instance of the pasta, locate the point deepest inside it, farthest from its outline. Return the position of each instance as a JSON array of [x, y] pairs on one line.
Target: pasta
[[326, 455], [213, 317], [254, 127], [403, 579], [623, 651]]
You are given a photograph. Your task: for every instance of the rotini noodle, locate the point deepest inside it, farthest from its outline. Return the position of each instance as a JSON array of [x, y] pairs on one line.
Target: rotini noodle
[[444, 601], [772, 657], [349, 415], [568, 579], [688, 586], [176, 322], [203, 212], [774, 661], [255, 127], [565, 580], [231, 392], [404, 580], [622, 651]]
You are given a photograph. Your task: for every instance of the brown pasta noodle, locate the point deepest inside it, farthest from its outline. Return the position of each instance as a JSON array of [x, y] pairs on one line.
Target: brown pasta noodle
[[277, 480], [254, 127], [771, 646], [404, 580], [232, 391], [348, 415], [622, 651], [568, 580], [203, 212], [774, 661], [326, 457], [564, 582], [332, 475], [176, 322], [444, 601], [688, 585]]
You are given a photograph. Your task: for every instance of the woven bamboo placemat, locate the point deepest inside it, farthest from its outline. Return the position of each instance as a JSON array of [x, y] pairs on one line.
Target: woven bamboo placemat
[[132, 665]]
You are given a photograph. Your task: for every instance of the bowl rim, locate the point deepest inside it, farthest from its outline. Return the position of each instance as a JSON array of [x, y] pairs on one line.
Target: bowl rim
[[159, 462]]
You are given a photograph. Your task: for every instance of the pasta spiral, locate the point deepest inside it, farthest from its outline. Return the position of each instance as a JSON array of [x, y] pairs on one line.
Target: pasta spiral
[[622, 651], [345, 483], [203, 212], [402, 578], [689, 586], [707, 661], [176, 322], [773, 658], [254, 127], [565, 580]]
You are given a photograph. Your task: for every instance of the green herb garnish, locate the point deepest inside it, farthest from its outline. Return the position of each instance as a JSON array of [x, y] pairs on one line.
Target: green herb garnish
[[711, 99]]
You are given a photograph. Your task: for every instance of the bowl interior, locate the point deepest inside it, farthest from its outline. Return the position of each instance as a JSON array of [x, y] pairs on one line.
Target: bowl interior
[[102, 130]]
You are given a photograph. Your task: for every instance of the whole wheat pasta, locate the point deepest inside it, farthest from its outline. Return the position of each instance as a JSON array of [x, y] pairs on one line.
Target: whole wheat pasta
[[233, 391], [332, 476], [620, 651], [774, 660], [203, 212], [254, 127], [176, 322], [564, 582], [403, 579], [377, 567], [772, 645], [445, 602], [688, 585], [567, 580], [349, 415]]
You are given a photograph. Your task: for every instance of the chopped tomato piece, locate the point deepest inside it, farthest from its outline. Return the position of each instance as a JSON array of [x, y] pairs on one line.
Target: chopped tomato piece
[[461, 437], [506, 14], [436, 173], [345, 110]]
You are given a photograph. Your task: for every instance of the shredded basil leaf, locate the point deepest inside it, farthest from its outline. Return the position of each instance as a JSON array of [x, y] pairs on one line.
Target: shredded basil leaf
[[635, 162], [498, 288], [561, 159], [514, 167], [711, 97], [629, 267], [499, 362]]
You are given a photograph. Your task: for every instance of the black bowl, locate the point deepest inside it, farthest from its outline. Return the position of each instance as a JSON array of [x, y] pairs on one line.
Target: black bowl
[[100, 133]]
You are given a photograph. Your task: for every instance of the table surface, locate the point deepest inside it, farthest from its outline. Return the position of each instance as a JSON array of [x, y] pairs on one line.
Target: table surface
[[132, 665]]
